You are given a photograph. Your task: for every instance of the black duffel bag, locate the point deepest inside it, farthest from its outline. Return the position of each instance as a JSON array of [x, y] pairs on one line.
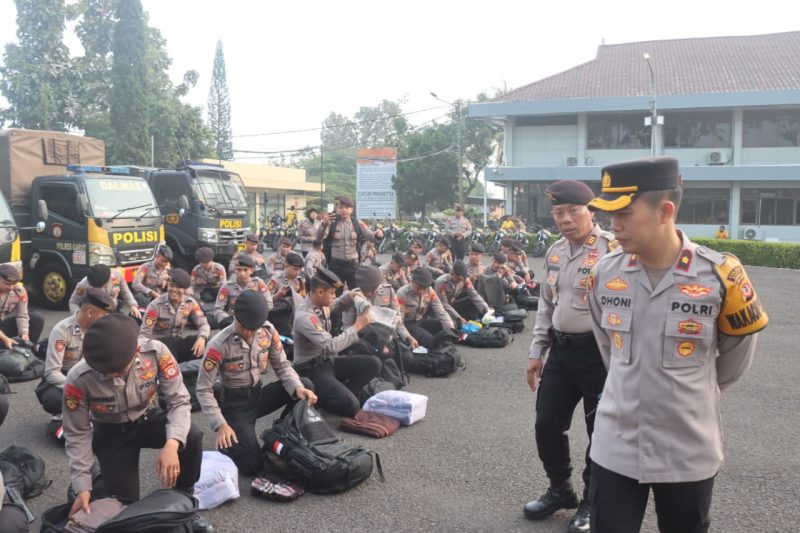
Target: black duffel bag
[[24, 470], [20, 364], [442, 359], [489, 338]]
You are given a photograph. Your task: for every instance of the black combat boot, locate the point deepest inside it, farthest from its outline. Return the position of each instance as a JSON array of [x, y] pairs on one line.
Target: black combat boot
[[201, 525], [558, 496], [580, 523]]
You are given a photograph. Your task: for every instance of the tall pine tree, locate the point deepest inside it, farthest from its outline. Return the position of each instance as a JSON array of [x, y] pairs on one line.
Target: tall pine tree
[[219, 108], [129, 92], [35, 71]]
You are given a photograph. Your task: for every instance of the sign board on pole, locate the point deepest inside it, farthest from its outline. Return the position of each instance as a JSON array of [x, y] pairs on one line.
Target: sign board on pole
[[375, 197]]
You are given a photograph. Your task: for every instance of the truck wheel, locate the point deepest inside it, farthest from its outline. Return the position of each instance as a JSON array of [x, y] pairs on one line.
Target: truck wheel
[[54, 286]]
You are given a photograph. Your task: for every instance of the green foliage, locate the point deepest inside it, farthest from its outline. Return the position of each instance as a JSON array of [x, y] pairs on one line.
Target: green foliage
[[219, 108], [35, 73], [426, 179], [758, 253]]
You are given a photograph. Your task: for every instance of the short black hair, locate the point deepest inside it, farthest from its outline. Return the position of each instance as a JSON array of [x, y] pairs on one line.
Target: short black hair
[[654, 198], [317, 283]]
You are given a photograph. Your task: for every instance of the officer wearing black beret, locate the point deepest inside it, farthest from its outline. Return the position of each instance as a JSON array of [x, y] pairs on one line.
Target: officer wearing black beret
[[250, 250], [207, 276], [15, 319], [111, 411], [151, 278], [658, 424], [475, 266], [423, 313], [287, 287], [573, 371], [242, 280], [112, 282]]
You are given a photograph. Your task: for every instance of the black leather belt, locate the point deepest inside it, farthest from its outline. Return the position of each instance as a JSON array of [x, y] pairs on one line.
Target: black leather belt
[[239, 393], [308, 365], [572, 339]]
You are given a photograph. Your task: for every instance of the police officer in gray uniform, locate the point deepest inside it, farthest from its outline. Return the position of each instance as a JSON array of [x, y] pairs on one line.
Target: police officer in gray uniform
[[574, 370], [676, 324], [242, 281], [238, 355], [423, 312], [458, 296], [111, 409], [112, 282], [316, 352], [151, 278]]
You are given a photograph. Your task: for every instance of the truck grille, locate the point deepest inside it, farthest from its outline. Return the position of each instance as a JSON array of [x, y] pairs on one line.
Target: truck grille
[[127, 257], [230, 236]]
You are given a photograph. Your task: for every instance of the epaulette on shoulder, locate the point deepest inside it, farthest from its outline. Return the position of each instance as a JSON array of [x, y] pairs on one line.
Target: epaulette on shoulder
[[714, 256]]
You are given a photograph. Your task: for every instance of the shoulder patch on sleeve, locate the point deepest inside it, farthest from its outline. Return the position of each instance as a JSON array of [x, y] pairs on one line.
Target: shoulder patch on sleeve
[[741, 314]]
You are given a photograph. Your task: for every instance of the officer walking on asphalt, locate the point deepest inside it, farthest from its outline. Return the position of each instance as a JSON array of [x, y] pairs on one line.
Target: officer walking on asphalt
[[574, 370], [676, 324]]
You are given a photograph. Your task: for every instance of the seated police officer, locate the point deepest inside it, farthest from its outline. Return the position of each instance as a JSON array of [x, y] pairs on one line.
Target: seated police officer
[[284, 301], [12, 517], [277, 261], [439, 260], [475, 268], [316, 352], [207, 276], [238, 355], [394, 272], [242, 281], [112, 282], [15, 319], [458, 296], [111, 409], [151, 278], [65, 347], [423, 313], [168, 315]]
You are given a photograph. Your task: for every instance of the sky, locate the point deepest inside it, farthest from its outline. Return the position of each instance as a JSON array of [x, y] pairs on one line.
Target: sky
[[290, 64]]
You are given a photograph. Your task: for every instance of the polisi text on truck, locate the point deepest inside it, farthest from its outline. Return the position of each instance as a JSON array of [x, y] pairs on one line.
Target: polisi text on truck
[[230, 224], [134, 237]]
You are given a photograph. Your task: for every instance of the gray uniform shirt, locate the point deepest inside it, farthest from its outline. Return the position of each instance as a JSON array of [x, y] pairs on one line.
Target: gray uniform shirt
[[162, 320], [563, 303], [449, 292], [64, 350], [15, 303], [114, 287], [313, 260], [670, 350], [384, 296], [416, 306], [213, 278], [149, 278], [458, 225], [239, 365], [311, 332], [226, 299], [344, 243], [308, 234], [91, 396]]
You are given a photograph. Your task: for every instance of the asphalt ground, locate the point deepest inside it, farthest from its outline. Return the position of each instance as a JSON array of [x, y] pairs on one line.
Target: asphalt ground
[[471, 464]]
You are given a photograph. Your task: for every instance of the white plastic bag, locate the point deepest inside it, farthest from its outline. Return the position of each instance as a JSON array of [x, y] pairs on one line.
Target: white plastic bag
[[407, 407], [219, 481]]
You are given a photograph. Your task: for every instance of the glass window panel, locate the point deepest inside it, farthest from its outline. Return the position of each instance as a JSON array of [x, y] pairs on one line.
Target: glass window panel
[[698, 130], [626, 131], [748, 211], [771, 128], [784, 214]]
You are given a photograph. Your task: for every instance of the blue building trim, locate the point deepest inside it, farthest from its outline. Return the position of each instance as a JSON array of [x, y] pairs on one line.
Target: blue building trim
[[690, 173], [634, 103]]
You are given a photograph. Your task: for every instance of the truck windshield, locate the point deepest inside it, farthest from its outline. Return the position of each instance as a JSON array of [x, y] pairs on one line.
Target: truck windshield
[[6, 218], [121, 197], [221, 189]]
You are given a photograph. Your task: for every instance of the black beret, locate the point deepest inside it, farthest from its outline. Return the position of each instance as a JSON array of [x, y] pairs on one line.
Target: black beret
[[422, 277], [311, 210], [251, 238], [478, 248], [100, 299], [445, 242], [411, 255], [180, 278], [345, 200], [110, 343], [9, 273], [294, 259], [285, 240], [399, 258], [166, 251], [460, 269], [98, 275], [569, 192], [416, 242], [506, 242], [244, 260], [621, 182], [251, 309], [368, 278], [204, 254], [500, 257], [325, 276]]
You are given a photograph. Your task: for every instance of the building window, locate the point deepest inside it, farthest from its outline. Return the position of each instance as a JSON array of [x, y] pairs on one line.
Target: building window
[[704, 206], [626, 131], [770, 207], [772, 128], [698, 130]]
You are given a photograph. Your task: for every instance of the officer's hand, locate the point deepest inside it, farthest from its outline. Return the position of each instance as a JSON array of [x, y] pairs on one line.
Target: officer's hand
[[8, 341], [168, 466], [534, 372], [199, 347], [135, 312], [303, 393], [153, 294], [282, 292], [226, 437], [25, 337], [363, 320], [414, 343], [81, 503], [379, 234]]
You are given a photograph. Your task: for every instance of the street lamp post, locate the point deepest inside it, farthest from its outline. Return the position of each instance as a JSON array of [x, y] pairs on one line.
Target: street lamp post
[[653, 110], [459, 180]]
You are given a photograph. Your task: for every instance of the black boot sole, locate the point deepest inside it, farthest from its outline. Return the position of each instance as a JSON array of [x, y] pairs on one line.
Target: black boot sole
[[566, 504]]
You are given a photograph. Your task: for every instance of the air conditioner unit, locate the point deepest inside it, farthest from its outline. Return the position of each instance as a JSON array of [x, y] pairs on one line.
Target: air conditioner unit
[[716, 158], [572, 161], [751, 233]]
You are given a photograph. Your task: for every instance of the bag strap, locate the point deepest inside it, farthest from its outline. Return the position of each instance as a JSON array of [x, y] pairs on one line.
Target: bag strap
[[379, 466]]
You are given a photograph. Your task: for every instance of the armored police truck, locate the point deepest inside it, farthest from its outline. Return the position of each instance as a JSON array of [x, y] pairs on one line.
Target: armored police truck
[[204, 205], [80, 212]]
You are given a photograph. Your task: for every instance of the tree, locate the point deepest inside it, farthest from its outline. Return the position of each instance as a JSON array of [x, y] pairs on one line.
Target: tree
[[427, 177], [34, 75], [481, 145], [219, 108], [129, 93]]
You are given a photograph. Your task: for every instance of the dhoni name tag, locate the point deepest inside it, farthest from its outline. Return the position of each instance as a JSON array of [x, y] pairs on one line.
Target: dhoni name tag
[[134, 237], [230, 224]]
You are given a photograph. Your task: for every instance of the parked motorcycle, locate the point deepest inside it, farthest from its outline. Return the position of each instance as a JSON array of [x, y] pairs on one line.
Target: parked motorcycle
[[388, 242], [542, 239]]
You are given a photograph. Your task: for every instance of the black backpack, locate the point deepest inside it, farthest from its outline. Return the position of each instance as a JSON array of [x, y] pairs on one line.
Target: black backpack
[[24, 470], [372, 388], [305, 448], [20, 364], [489, 338], [442, 359]]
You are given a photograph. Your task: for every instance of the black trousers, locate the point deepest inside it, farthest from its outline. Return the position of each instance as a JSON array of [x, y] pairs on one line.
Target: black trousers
[[458, 247], [574, 371], [424, 330], [338, 382], [241, 408], [467, 309], [117, 448], [282, 318], [50, 396], [209, 294], [346, 270], [35, 326], [181, 347], [619, 503]]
